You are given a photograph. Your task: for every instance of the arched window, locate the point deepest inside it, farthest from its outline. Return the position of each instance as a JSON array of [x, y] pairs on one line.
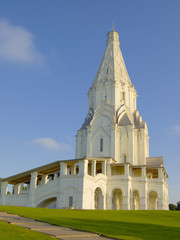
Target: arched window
[[153, 200], [98, 199], [117, 199], [135, 200]]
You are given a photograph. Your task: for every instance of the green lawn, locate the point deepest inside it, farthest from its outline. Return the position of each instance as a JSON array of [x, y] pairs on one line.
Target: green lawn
[[127, 225], [12, 232]]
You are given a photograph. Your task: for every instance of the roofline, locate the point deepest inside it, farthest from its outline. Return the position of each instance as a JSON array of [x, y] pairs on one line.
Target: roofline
[[44, 168]]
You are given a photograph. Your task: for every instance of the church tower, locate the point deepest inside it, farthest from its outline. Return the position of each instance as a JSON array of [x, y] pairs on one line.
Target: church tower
[[113, 127], [112, 168]]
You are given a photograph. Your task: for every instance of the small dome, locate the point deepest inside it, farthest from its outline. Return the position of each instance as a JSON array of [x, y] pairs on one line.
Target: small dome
[[113, 36]]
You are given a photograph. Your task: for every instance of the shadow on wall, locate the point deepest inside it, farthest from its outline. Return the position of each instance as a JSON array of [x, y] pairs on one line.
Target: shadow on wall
[[48, 203]]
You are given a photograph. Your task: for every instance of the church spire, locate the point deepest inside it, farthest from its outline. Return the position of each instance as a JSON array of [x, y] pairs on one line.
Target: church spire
[[112, 62]]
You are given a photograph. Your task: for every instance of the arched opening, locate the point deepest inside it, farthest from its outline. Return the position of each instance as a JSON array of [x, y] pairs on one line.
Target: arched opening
[[117, 199], [98, 199], [153, 200], [135, 200], [48, 203]]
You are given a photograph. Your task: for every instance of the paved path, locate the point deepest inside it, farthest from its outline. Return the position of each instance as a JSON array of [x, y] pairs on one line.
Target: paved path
[[55, 231]]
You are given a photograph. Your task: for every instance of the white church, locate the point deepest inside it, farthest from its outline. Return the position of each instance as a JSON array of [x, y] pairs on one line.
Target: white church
[[112, 168]]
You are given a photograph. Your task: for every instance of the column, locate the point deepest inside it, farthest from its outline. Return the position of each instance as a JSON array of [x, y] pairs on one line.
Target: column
[[4, 189], [50, 178], [83, 165], [63, 168], [33, 183], [104, 167], [33, 186], [93, 168], [55, 176], [74, 169], [44, 179], [17, 188]]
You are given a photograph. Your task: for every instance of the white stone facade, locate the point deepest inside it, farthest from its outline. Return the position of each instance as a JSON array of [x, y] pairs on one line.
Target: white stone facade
[[112, 169]]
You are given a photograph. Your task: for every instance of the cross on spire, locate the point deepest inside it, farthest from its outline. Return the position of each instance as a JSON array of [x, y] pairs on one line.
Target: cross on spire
[[113, 26]]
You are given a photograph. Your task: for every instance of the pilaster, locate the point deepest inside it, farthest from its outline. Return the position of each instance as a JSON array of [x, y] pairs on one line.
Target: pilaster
[[88, 147], [144, 171], [131, 144], [126, 169], [93, 168], [126, 203], [4, 189], [160, 173], [113, 140]]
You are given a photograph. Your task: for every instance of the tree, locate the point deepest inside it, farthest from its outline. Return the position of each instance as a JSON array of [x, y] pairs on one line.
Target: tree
[[178, 206], [172, 207]]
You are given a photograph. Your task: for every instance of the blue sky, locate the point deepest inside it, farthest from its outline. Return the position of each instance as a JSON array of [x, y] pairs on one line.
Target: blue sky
[[49, 54]]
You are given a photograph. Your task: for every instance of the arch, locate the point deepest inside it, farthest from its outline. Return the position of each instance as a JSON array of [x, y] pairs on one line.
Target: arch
[[117, 199], [135, 200], [98, 199], [153, 200], [48, 203]]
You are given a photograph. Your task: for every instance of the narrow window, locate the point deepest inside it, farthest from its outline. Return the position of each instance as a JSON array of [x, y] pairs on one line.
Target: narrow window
[[101, 144], [77, 169], [124, 158], [123, 95], [107, 71], [105, 94], [70, 202]]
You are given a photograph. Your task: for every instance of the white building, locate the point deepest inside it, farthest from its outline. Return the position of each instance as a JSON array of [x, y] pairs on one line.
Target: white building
[[112, 169]]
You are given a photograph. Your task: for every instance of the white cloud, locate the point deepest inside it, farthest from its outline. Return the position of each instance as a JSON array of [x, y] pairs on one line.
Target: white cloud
[[16, 44], [51, 144], [176, 128]]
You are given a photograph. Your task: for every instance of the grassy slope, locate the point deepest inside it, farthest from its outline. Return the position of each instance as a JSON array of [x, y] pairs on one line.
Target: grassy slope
[[8, 231], [127, 225]]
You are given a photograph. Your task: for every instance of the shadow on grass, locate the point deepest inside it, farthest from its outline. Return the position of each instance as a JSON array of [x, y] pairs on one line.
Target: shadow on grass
[[124, 230]]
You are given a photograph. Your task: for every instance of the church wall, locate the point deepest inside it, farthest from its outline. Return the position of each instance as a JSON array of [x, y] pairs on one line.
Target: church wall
[[140, 185], [113, 183], [90, 185], [100, 130], [81, 144], [70, 186], [109, 171], [124, 145], [136, 147]]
